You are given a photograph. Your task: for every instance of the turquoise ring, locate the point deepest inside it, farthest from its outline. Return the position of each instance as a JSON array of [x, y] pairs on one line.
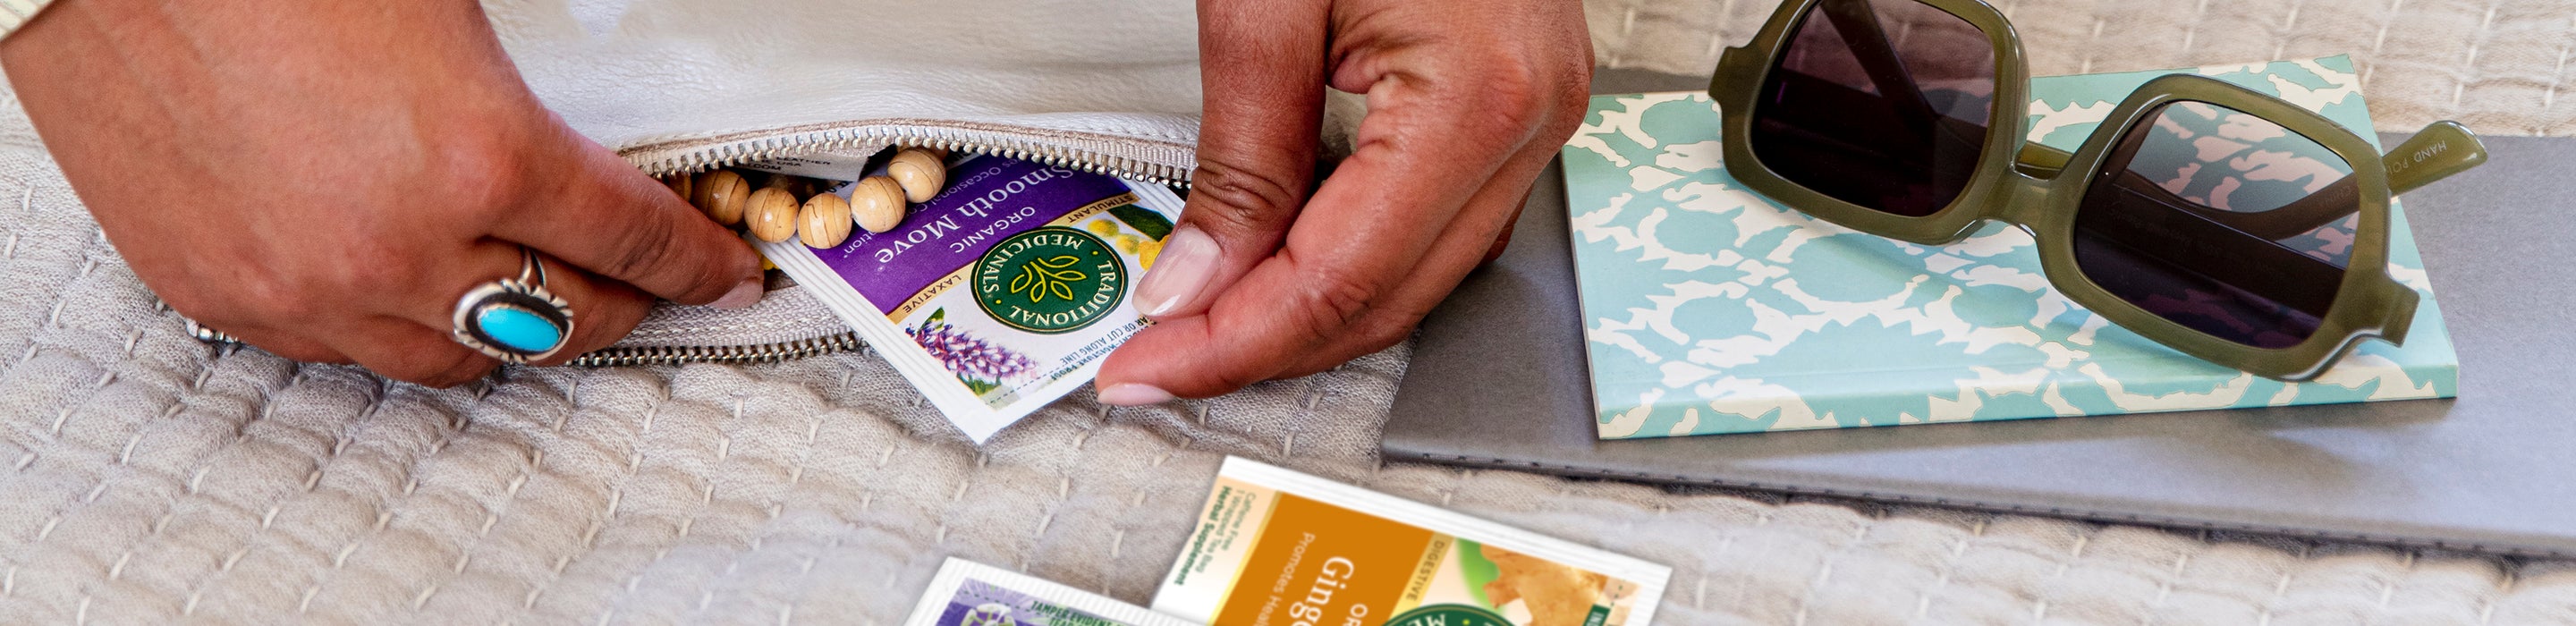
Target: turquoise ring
[[515, 320]]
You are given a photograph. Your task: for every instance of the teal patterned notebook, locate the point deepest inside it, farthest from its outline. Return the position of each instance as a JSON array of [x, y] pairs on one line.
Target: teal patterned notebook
[[1708, 309]]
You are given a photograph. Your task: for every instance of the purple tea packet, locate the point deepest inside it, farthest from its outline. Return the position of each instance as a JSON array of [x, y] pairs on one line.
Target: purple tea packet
[[1002, 293], [966, 593]]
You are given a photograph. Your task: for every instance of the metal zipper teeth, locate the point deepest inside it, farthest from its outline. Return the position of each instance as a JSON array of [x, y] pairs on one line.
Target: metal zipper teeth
[[740, 152], [964, 140], [763, 353]]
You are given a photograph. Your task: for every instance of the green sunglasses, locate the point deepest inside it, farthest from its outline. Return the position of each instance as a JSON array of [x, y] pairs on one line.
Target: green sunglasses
[[2222, 222]]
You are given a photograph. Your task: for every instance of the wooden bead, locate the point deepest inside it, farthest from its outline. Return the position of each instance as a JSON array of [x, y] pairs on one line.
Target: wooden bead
[[920, 172], [825, 222], [877, 204], [700, 186], [772, 214], [681, 185], [721, 194]]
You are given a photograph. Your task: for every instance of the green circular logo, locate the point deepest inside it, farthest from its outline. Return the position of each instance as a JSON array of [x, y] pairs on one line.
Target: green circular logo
[[1050, 280], [1448, 615]]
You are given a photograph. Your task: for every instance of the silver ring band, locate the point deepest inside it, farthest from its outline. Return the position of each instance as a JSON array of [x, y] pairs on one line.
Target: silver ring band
[[516, 320], [208, 335]]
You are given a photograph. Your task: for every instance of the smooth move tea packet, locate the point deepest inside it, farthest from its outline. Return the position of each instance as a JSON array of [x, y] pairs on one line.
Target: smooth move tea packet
[[967, 593], [1278, 548], [1002, 293]]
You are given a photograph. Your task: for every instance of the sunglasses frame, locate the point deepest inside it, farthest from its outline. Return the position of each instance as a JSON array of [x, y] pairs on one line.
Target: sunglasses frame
[[2013, 184]]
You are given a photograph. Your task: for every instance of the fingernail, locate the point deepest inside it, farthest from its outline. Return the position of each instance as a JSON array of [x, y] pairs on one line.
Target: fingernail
[[1188, 259], [744, 295], [1132, 394]]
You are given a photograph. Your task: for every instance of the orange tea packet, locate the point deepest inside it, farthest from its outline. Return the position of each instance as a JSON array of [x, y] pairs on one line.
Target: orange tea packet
[[1278, 548]]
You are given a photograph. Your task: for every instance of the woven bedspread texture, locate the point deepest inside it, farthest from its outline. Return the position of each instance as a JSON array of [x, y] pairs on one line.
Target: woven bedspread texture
[[146, 478]]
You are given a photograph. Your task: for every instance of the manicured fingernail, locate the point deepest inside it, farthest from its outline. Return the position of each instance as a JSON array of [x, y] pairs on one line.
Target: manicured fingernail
[[1132, 394], [744, 295], [1188, 259]]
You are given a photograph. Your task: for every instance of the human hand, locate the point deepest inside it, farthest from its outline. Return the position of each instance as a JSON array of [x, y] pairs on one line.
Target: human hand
[[1467, 102], [325, 179]]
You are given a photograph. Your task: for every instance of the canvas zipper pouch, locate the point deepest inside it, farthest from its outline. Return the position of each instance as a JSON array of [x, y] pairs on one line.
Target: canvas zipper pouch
[[995, 298], [1097, 94]]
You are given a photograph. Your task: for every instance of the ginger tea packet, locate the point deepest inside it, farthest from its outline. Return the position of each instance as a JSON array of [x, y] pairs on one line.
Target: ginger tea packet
[[1278, 548], [967, 593]]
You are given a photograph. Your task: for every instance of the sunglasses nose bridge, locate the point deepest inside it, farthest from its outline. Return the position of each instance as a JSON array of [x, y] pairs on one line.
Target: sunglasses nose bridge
[[2021, 199]]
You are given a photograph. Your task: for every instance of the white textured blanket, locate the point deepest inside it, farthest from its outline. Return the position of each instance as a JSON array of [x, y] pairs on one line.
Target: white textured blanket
[[146, 478]]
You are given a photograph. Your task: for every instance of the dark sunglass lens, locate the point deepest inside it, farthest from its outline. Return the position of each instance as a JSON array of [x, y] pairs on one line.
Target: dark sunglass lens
[[1879, 103], [2220, 221]]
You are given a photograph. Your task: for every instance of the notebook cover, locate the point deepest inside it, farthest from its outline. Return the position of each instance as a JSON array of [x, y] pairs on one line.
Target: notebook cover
[[1708, 309]]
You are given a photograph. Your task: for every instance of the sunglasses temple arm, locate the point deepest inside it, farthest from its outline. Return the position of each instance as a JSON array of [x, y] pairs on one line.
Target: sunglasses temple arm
[[2440, 150], [2318, 209]]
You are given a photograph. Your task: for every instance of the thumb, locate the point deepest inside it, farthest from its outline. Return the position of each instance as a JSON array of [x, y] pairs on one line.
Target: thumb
[[605, 216], [1263, 76]]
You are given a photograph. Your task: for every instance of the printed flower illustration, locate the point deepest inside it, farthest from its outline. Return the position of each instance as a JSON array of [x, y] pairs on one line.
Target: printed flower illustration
[[980, 364], [990, 614]]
